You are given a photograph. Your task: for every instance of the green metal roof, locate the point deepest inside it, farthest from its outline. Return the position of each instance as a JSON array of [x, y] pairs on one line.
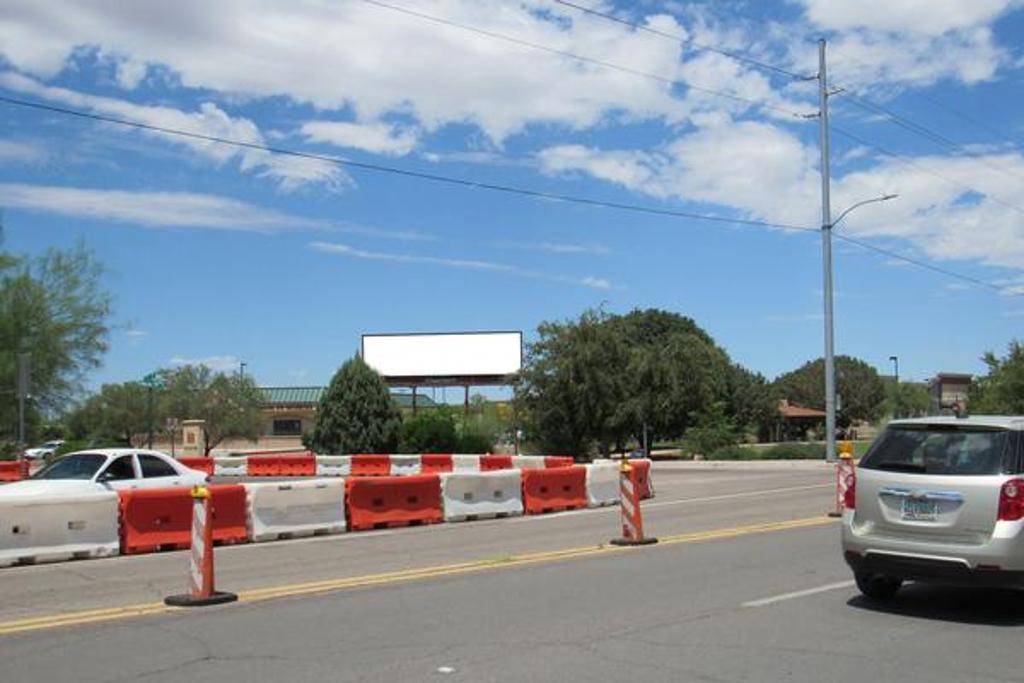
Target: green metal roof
[[304, 396], [292, 395]]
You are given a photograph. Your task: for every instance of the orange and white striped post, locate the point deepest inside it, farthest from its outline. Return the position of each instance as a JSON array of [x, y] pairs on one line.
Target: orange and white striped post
[[200, 565], [632, 516], [845, 470]]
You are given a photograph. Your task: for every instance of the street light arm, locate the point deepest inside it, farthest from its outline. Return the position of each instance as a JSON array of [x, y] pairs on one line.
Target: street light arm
[[844, 214]]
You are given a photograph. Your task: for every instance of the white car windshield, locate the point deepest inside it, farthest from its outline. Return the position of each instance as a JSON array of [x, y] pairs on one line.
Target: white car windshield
[[77, 466]]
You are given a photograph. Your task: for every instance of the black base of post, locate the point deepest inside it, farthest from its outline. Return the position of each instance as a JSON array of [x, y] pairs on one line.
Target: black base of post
[[186, 600], [649, 540], [835, 514]]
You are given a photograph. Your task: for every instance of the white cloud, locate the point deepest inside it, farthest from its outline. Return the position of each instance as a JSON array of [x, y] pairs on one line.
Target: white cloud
[[215, 363], [375, 61], [460, 264], [559, 248], [152, 209], [209, 120], [931, 17], [20, 152], [377, 137], [767, 173]]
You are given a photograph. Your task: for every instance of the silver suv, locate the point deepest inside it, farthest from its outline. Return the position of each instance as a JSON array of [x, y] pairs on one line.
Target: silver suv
[[938, 499]]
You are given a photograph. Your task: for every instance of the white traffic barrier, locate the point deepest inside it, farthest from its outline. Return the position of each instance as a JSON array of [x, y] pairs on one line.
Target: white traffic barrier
[[300, 508], [404, 465], [57, 527], [532, 462], [602, 484], [333, 465], [465, 463], [230, 466], [478, 495]]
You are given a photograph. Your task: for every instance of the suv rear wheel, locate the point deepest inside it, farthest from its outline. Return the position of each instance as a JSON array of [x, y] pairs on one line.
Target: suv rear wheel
[[877, 587]]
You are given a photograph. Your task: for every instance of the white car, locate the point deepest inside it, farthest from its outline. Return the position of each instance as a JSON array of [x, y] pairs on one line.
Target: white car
[[48, 448], [116, 469]]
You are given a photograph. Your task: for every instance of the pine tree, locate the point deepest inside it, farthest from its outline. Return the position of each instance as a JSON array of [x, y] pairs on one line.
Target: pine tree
[[356, 413]]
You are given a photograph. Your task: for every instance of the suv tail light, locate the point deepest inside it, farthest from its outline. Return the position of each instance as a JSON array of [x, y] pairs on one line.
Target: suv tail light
[[850, 494], [1011, 501]]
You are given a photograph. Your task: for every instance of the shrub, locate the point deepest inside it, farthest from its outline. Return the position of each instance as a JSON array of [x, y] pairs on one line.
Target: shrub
[[475, 441], [794, 451], [356, 414], [733, 453], [429, 431]]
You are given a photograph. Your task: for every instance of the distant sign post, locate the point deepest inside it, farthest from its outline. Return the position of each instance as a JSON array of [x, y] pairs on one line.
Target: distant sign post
[[172, 424], [151, 381]]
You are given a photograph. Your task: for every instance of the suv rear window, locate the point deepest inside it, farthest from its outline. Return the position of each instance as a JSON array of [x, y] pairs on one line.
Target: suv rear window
[[935, 449]]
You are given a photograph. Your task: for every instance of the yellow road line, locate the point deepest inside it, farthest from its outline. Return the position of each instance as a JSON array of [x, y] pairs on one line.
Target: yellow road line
[[293, 590]]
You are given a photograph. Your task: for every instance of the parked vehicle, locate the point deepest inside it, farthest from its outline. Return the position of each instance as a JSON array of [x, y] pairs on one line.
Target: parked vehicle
[[938, 499], [112, 468], [43, 450]]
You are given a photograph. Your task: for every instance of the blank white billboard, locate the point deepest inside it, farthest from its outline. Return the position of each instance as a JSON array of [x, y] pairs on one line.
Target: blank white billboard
[[462, 354]]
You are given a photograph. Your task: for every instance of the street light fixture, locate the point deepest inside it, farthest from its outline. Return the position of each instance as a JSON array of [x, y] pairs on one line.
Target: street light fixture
[[830, 359]]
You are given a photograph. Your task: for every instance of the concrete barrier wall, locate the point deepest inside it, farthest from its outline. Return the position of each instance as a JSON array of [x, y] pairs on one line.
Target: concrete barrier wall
[[55, 528], [302, 508], [602, 484], [465, 463], [478, 495], [405, 465], [333, 465]]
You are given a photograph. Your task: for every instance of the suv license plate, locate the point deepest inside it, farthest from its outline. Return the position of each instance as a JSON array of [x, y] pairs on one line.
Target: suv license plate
[[920, 510]]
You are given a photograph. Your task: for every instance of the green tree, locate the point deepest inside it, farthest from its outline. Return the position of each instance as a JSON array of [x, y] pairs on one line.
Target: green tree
[[429, 431], [712, 429], [1001, 391], [229, 404], [356, 414], [752, 402], [906, 399], [861, 389], [54, 309], [572, 384]]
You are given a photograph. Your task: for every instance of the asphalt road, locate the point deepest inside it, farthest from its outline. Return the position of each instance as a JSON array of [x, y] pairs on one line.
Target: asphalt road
[[746, 585]]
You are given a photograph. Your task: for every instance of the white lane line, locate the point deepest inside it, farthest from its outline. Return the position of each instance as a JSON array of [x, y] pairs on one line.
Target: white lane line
[[666, 503], [799, 594]]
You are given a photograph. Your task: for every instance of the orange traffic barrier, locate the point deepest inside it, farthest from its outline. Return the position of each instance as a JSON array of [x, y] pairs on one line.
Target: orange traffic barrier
[[381, 502], [298, 465], [161, 519], [629, 499], [643, 477], [366, 465], [201, 464], [495, 462], [13, 470], [551, 490], [264, 466], [558, 461], [434, 463]]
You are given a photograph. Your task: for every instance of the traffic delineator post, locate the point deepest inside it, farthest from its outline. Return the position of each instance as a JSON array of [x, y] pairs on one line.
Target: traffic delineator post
[[200, 566], [844, 469], [632, 517]]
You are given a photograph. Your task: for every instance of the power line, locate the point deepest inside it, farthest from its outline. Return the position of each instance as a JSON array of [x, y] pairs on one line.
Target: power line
[[380, 168], [912, 164], [581, 58], [684, 40], [925, 132], [929, 266], [996, 135]]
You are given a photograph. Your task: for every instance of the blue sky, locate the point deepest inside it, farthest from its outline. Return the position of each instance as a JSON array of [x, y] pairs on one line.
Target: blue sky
[[222, 254]]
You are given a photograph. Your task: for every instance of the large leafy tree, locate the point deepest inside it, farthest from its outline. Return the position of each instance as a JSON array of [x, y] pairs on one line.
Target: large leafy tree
[[752, 401], [356, 414], [53, 309], [229, 404], [573, 383], [1001, 391], [602, 379], [675, 372], [861, 390]]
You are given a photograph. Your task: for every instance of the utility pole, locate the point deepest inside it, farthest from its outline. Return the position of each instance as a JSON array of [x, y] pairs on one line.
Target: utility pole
[[826, 257], [23, 392]]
